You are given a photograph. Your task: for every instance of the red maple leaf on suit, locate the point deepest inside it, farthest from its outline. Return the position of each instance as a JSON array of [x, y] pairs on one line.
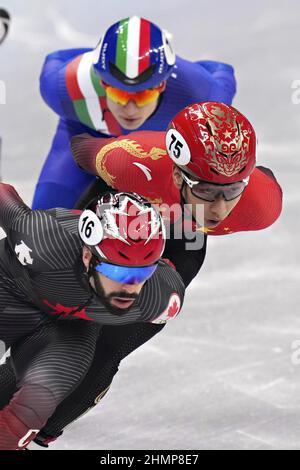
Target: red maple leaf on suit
[[173, 309]]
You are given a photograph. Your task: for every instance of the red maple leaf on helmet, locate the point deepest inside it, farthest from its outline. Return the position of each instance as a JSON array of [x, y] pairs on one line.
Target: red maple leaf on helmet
[[173, 309]]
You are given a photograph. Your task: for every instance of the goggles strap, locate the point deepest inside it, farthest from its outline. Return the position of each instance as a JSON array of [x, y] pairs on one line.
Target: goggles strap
[[183, 200]]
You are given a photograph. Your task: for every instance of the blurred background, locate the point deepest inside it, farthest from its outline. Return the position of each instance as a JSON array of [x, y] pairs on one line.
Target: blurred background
[[222, 374]]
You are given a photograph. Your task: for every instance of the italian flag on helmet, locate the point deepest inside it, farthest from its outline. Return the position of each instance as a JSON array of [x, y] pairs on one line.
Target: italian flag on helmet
[[134, 54]]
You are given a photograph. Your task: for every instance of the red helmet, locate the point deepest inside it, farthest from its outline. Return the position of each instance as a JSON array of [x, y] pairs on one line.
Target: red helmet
[[125, 230], [212, 141]]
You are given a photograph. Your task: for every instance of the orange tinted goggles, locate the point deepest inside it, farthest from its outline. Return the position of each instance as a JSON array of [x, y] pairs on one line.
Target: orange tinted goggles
[[141, 98]]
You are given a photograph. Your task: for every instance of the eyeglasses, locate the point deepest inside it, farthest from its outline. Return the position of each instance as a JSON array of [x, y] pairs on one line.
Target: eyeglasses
[[141, 98], [125, 274], [210, 192]]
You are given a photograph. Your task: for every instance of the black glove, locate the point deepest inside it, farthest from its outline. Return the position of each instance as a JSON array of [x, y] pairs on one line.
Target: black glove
[[43, 439]]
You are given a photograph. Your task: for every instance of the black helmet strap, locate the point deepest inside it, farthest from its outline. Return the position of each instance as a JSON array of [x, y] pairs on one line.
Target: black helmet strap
[[91, 272]]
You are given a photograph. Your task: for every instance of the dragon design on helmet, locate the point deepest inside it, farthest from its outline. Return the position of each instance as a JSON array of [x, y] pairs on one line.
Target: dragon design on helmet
[[225, 141]]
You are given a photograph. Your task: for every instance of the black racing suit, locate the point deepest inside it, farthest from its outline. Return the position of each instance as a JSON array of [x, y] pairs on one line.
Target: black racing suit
[[48, 310], [117, 342], [113, 345]]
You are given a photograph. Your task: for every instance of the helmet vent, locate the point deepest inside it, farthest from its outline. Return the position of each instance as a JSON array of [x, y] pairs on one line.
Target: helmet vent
[[223, 154], [148, 255], [142, 78], [123, 256], [209, 128]]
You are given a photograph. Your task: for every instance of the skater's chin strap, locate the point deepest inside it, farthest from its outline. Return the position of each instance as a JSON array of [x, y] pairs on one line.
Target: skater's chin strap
[[182, 199]]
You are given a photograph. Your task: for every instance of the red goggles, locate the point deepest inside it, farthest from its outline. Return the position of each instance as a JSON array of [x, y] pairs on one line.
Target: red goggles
[[141, 98]]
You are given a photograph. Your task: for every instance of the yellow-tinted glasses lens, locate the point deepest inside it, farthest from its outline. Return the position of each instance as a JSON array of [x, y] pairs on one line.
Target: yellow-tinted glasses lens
[[146, 97], [141, 98], [117, 96]]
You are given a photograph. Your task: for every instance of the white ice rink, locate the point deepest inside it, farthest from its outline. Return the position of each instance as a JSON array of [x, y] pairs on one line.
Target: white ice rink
[[223, 375]]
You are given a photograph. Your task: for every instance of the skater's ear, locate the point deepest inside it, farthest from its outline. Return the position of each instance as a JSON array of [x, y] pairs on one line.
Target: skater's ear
[[86, 257], [177, 178]]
